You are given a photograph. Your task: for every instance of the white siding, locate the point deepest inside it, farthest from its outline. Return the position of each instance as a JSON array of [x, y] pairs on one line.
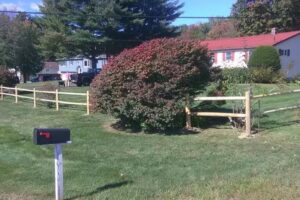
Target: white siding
[[239, 59], [290, 65]]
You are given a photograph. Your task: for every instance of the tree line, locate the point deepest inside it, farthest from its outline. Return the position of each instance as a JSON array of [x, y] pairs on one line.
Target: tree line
[[249, 18], [91, 28]]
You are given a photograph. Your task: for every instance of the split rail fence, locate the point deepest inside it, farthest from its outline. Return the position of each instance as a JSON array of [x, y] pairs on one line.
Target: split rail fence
[[259, 97], [248, 98], [246, 115], [15, 92]]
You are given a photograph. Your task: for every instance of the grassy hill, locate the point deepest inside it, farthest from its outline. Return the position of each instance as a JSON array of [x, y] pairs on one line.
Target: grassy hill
[[102, 163]]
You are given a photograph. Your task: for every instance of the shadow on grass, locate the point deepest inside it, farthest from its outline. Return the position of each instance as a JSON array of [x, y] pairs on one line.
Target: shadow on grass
[[101, 189], [273, 124]]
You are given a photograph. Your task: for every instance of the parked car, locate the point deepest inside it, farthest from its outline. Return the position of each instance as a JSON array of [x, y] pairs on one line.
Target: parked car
[[85, 78], [34, 79]]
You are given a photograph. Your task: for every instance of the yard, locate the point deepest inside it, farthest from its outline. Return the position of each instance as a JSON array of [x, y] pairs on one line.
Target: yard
[[103, 163]]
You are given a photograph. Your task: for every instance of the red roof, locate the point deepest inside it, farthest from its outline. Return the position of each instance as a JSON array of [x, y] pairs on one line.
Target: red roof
[[248, 42]]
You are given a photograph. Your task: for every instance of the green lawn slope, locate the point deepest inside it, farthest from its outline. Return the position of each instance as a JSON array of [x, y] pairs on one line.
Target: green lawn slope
[[103, 163]]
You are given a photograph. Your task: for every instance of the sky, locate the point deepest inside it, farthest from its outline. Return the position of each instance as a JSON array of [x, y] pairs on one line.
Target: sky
[[191, 8]]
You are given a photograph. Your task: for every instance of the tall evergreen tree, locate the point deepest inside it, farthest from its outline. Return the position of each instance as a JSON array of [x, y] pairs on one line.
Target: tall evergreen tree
[[97, 27]]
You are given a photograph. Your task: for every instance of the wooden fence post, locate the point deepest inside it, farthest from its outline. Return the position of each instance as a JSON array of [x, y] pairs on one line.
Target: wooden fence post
[[188, 112], [248, 113], [34, 98], [16, 94], [56, 99], [1, 91], [87, 102]]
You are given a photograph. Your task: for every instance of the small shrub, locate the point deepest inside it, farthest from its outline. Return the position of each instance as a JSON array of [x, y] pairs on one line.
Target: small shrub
[[265, 57], [266, 75], [215, 74], [7, 78], [235, 75], [145, 87]]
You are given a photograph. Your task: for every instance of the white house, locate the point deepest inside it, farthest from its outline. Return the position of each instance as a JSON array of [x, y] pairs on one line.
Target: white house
[[79, 64], [235, 52]]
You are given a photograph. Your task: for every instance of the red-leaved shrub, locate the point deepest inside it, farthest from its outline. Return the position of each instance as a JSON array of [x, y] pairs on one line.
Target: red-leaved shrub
[[145, 87]]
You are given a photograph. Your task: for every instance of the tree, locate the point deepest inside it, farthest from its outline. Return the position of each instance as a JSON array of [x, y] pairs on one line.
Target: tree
[[26, 55], [261, 16], [214, 29], [6, 42], [54, 42], [18, 44], [144, 87], [199, 31], [255, 19], [223, 29], [109, 26]]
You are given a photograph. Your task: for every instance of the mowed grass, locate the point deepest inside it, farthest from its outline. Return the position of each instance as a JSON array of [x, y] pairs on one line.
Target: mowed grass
[[102, 163]]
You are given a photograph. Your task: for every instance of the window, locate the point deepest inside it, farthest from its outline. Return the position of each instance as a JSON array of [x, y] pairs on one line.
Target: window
[[284, 52], [287, 52], [228, 55], [281, 52], [85, 63]]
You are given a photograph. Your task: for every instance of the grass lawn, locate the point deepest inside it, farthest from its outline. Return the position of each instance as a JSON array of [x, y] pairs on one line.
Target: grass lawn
[[104, 164]]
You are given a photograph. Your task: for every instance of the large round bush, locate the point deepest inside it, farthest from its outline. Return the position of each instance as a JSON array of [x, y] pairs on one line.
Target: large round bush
[[265, 57], [145, 87]]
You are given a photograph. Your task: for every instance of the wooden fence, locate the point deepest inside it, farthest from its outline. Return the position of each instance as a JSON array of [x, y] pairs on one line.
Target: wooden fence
[[246, 115], [258, 97], [15, 92]]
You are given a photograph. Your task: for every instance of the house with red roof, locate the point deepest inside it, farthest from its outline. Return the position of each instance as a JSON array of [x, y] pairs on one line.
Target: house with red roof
[[235, 52]]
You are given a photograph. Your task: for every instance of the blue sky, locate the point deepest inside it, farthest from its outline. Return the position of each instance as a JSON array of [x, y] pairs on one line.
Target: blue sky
[[191, 8]]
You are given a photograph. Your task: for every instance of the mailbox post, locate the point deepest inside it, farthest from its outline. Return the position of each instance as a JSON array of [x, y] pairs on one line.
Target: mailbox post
[[56, 136]]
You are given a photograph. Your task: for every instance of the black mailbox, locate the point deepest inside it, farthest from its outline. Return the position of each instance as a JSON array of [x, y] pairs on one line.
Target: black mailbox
[[43, 136]]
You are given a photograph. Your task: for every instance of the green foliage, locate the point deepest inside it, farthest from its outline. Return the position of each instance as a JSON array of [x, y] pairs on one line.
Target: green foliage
[[261, 16], [18, 44], [7, 78], [105, 27], [265, 57], [265, 75], [199, 31], [54, 42], [235, 75], [144, 87], [7, 41], [27, 56]]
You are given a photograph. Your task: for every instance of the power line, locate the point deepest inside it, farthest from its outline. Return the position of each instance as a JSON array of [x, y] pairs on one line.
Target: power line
[[142, 16]]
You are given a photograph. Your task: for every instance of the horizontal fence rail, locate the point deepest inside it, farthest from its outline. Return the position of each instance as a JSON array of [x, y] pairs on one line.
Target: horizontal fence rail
[[14, 92], [275, 94], [219, 98], [246, 115], [260, 96]]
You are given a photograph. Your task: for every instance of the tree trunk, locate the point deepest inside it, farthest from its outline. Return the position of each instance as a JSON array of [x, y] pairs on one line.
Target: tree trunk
[[24, 77]]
